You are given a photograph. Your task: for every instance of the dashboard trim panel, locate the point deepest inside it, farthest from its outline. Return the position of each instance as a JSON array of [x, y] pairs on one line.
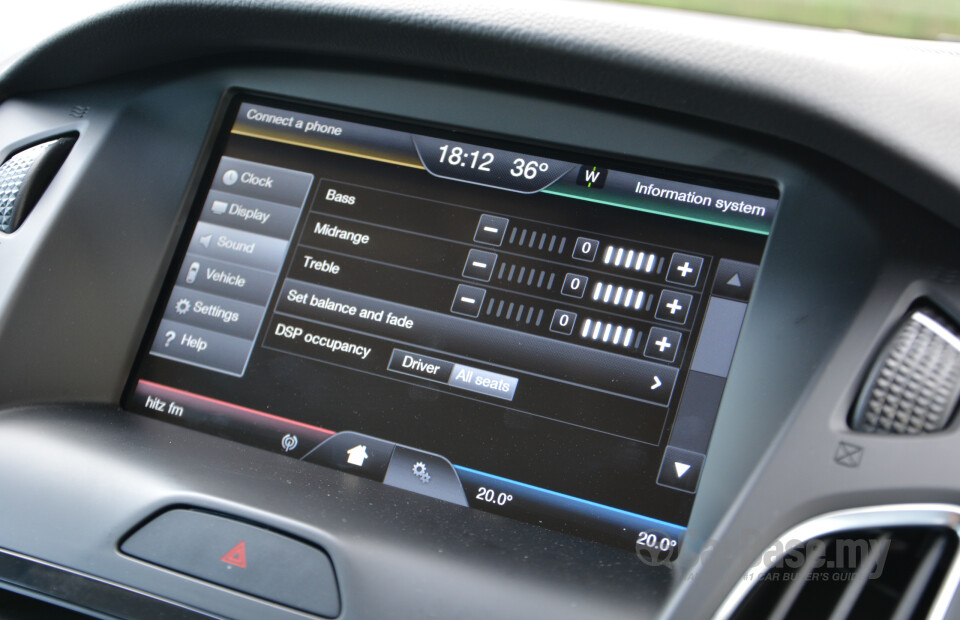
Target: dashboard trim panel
[[851, 237]]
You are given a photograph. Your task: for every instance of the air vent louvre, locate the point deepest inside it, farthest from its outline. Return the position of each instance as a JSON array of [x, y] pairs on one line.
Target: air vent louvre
[[914, 385], [885, 573], [25, 176]]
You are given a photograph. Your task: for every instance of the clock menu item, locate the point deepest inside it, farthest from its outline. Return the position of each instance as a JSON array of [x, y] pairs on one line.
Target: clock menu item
[[528, 332]]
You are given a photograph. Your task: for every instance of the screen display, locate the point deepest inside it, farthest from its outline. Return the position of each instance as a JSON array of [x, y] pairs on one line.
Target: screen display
[[536, 333]]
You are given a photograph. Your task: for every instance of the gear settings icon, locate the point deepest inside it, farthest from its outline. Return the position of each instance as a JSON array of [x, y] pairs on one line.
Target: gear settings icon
[[420, 471], [183, 306]]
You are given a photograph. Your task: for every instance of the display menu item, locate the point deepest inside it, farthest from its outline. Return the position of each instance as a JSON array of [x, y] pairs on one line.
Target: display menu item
[[529, 332]]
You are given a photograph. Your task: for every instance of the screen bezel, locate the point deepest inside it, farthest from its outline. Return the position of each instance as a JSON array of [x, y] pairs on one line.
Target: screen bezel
[[221, 131]]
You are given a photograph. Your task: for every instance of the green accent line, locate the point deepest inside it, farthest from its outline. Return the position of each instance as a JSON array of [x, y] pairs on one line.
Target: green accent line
[[759, 230]]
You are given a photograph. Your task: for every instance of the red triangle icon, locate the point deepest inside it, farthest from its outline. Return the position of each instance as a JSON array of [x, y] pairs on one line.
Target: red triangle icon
[[237, 556]]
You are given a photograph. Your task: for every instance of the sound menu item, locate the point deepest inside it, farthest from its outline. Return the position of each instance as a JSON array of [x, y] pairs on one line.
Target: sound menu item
[[530, 333]]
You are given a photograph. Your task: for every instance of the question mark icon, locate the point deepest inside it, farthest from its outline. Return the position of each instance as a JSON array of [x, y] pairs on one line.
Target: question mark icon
[[170, 336]]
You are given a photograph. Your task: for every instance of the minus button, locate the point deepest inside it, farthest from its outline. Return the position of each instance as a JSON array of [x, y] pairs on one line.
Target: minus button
[[491, 229], [468, 300], [480, 265]]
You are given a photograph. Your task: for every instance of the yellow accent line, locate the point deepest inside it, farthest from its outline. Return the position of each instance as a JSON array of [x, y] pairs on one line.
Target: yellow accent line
[[327, 149]]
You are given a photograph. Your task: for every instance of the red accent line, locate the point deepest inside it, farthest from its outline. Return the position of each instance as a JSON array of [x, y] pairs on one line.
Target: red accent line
[[237, 407]]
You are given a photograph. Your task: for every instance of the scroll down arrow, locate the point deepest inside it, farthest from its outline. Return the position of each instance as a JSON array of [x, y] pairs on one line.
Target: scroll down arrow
[[681, 468], [656, 382]]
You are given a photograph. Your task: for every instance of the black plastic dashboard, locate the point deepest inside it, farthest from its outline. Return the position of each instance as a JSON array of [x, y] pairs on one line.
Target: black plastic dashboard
[[852, 249]]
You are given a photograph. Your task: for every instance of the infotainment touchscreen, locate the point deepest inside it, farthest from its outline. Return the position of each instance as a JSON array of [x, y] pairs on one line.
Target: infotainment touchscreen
[[540, 333]]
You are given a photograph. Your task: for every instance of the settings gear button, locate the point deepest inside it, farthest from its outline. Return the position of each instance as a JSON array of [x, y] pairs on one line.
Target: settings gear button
[[420, 471], [426, 474]]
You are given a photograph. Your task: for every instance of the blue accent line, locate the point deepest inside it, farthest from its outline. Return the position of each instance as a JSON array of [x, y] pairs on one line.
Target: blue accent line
[[570, 497]]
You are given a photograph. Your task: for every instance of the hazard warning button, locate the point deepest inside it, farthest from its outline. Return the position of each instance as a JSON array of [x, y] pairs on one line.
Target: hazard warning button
[[236, 556], [240, 556]]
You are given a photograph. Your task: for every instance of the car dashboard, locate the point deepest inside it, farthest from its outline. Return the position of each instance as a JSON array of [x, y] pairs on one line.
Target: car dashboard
[[435, 310]]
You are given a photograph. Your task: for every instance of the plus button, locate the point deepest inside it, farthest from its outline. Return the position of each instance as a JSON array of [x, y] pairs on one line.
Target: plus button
[[674, 307], [684, 269], [662, 344]]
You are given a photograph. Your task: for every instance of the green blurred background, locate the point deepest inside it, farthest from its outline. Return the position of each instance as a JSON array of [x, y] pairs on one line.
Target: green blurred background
[[917, 19]]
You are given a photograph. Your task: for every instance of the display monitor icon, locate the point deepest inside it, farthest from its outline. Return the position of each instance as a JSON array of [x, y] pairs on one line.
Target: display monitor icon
[[219, 207]]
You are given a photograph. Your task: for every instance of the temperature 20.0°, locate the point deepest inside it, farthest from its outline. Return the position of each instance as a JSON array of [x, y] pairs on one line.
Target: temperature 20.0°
[[491, 496], [656, 548]]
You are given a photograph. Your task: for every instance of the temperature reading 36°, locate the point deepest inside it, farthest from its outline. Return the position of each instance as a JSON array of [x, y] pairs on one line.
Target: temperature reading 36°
[[492, 497], [528, 169]]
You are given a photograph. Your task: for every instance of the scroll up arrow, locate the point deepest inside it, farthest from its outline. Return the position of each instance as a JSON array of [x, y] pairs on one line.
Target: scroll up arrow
[[656, 382]]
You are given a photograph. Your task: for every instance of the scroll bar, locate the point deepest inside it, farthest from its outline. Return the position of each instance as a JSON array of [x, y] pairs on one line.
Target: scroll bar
[[702, 390]]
